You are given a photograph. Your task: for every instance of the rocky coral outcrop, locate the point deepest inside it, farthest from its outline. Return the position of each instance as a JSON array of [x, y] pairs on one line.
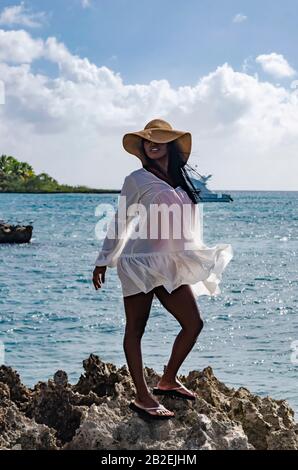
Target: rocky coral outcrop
[[15, 233], [94, 414], [19, 432]]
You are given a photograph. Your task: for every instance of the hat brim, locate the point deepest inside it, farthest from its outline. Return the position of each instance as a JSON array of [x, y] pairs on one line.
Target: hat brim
[[132, 140]]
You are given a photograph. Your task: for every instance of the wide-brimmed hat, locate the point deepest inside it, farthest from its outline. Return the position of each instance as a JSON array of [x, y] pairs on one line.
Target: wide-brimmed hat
[[158, 131]]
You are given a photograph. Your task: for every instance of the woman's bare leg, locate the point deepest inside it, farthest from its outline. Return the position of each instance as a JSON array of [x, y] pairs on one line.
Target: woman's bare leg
[[137, 310], [182, 304]]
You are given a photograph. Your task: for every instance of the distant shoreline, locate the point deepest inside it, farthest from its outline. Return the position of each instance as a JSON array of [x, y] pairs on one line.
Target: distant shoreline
[[18, 177]]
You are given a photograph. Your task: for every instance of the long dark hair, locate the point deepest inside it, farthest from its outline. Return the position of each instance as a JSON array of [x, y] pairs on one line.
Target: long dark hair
[[177, 169]]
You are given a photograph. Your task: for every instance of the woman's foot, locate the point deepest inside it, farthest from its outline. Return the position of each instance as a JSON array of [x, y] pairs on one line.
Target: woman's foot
[[148, 404], [164, 384]]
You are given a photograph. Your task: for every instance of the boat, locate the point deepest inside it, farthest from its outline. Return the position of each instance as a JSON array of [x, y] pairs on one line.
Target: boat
[[15, 233], [200, 182]]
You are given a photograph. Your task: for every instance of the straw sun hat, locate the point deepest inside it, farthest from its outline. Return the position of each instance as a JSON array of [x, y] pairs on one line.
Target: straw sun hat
[[158, 131]]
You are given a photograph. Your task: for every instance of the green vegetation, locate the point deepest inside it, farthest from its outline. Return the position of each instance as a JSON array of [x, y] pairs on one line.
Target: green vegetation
[[19, 177]]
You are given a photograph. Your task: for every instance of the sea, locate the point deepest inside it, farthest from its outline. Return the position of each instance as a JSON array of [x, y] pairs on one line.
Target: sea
[[51, 317]]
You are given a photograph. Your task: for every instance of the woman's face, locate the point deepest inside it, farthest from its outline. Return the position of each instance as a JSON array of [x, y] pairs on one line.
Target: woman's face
[[155, 150]]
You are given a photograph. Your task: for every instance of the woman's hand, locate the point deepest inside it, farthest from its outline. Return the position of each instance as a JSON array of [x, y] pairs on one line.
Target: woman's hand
[[99, 276]]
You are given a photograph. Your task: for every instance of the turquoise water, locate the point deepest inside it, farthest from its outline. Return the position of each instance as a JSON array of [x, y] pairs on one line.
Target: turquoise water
[[51, 317]]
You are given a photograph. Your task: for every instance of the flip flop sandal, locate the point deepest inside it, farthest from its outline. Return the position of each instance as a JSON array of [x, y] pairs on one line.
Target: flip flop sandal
[[173, 392], [148, 416]]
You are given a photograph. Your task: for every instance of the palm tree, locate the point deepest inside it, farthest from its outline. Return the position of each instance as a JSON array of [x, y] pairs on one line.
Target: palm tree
[[26, 170], [10, 166], [5, 163]]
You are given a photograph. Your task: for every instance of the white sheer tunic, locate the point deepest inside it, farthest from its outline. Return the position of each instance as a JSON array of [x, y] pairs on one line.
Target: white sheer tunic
[[149, 251]]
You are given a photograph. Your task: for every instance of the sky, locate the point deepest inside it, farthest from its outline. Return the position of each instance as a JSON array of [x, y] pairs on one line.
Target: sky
[[76, 75]]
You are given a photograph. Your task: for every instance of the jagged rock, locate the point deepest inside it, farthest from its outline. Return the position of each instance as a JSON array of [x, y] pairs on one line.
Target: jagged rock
[[94, 414], [51, 405], [15, 233], [102, 427], [19, 432], [18, 392], [100, 377], [4, 393], [58, 406], [259, 417]]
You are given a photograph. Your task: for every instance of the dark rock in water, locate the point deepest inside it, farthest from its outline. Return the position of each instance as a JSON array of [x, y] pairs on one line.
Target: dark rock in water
[[94, 414], [15, 233]]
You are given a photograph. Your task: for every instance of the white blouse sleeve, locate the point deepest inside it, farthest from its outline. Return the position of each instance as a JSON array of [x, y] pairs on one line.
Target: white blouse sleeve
[[119, 226]]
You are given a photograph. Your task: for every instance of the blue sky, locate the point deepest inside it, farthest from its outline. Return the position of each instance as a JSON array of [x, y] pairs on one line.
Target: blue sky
[[179, 41], [215, 67]]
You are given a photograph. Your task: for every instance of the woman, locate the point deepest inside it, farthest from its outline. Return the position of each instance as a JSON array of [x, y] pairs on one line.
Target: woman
[[175, 269]]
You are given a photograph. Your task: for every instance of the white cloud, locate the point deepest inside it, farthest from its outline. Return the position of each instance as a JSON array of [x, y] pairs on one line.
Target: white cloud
[[19, 47], [244, 130], [86, 3], [276, 65], [248, 64], [2, 92], [239, 18], [20, 15]]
